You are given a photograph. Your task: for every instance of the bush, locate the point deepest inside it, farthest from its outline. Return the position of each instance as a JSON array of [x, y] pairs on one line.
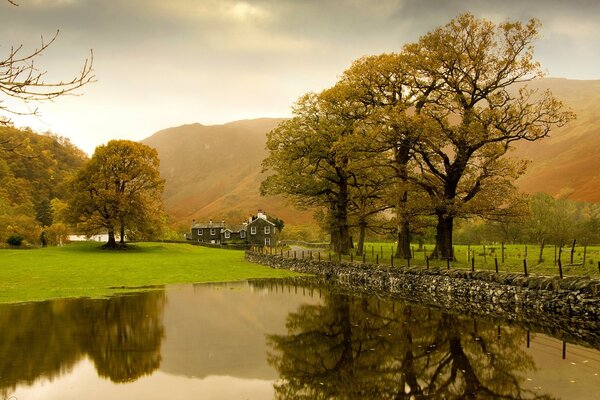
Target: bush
[[15, 240]]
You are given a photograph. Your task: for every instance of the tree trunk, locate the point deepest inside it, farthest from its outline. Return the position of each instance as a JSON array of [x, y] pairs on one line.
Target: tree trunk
[[443, 239], [341, 242], [541, 257], [111, 244], [403, 250], [122, 241]]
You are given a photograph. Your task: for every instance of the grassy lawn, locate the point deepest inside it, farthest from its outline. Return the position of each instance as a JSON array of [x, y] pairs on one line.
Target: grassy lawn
[[84, 270], [514, 254]]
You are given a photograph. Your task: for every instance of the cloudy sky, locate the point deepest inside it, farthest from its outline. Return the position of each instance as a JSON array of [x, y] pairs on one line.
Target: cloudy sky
[[163, 63]]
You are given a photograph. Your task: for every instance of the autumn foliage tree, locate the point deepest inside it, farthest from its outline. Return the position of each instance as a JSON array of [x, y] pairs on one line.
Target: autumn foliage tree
[[119, 190], [444, 113], [468, 72]]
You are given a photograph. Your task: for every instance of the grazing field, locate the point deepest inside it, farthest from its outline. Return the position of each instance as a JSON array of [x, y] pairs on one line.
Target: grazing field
[[85, 270], [485, 258]]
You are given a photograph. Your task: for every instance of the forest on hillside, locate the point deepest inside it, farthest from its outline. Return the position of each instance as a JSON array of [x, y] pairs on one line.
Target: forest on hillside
[[33, 172]]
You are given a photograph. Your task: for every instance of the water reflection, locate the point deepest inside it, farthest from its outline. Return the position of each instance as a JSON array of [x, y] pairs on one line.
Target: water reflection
[[260, 340], [121, 336], [354, 348]]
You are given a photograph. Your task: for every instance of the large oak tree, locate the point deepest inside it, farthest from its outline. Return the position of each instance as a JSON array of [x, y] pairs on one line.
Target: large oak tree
[[120, 189], [472, 74]]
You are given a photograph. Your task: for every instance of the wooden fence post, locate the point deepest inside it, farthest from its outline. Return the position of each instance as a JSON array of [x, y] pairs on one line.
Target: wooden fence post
[[392, 258], [572, 251], [377, 260], [502, 252], [364, 258], [468, 253], [496, 262], [560, 271], [427, 261], [473, 262], [525, 266]]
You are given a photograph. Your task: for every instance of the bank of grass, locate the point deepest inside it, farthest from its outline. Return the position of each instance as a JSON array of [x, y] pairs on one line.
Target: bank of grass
[[85, 270]]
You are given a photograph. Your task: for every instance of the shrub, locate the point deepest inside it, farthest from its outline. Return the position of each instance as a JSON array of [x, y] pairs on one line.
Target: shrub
[[15, 240]]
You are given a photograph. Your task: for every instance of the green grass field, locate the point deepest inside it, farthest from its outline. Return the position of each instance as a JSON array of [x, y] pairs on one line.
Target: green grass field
[[84, 270], [485, 260]]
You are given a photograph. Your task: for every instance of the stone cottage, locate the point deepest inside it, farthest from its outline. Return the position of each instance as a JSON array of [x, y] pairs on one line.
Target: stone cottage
[[257, 231]]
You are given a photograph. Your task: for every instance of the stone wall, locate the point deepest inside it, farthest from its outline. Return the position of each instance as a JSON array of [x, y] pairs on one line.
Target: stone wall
[[573, 301]]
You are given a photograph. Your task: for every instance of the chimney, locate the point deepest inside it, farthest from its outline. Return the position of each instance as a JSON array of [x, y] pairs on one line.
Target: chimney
[[193, 222], [261, 215], [223, 222], [210, 222]]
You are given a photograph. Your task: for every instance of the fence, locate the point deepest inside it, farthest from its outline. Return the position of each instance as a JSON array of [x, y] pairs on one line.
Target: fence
[[526, 259]]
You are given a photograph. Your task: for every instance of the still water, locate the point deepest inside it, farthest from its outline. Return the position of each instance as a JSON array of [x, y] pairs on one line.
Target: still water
[[265, 340]]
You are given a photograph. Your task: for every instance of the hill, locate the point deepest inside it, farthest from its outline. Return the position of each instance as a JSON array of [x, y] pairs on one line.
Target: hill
[[568, 162], [214, 171]]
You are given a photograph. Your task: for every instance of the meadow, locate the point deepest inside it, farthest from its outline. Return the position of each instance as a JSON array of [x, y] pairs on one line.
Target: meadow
[[485, 257], [85, 270]]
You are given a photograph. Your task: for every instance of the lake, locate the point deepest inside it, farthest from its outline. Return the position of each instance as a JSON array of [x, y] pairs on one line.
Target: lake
[[272, 339]]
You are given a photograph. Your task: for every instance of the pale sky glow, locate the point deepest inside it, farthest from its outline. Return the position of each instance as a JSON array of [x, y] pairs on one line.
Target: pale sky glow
[[167, 63]]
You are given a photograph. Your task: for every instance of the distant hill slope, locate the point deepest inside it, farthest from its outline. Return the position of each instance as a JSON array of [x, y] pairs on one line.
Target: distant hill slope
[[214, 171], [568, 162]]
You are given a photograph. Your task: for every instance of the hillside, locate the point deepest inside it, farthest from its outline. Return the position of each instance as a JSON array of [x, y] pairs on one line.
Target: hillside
[[568, 162], [214, 172]]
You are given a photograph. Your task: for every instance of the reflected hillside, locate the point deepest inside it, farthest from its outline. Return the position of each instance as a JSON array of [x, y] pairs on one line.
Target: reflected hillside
[[218, 330], [121, 335], [355, 348]]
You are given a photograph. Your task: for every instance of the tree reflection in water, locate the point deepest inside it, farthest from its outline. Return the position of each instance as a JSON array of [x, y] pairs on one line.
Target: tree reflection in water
[[121, 335], [355, 348]]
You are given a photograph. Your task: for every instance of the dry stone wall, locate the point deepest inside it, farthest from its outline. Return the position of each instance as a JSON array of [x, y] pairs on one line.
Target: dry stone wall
[[573, 303]]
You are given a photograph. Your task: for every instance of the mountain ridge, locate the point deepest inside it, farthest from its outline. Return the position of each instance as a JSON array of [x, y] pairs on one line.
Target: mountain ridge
[[214, 171]]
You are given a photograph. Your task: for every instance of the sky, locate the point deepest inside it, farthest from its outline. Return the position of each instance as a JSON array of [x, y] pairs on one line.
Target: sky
[[160, 64]]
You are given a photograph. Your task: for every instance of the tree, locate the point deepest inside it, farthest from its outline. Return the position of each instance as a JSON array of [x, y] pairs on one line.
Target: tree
[[21, 79], [119, 189], [468, 71], [307, 167], [383, 86]]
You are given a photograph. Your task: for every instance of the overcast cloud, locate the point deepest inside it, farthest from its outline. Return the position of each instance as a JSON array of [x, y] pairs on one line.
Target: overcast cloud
[[165, 63]]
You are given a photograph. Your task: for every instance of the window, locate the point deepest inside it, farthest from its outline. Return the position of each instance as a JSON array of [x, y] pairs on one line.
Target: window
[[253, 230], [213, 231], [267, 230], [267, 241], [242, 234], [200, 232], [227, 234]]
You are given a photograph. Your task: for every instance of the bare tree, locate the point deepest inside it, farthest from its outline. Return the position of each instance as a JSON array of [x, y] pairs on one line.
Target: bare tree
[[21, 79]]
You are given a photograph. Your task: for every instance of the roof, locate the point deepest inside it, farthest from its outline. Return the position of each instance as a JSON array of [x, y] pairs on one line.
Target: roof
[[261, 219], [209, 225], [235, 228]]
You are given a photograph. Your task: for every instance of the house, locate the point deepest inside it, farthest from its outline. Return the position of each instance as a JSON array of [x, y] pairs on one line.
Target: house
[[257, 231]]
